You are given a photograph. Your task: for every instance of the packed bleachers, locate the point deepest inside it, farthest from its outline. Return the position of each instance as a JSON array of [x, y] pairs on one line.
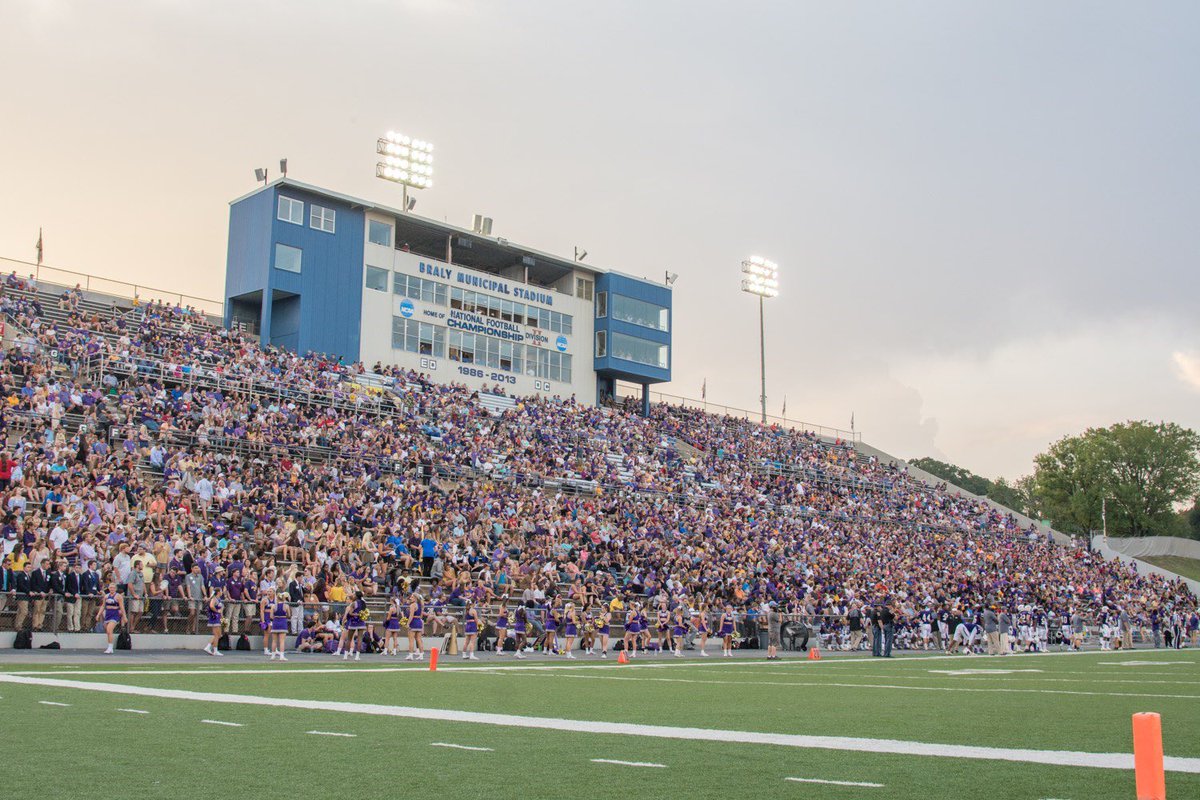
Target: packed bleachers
[[155, 445]]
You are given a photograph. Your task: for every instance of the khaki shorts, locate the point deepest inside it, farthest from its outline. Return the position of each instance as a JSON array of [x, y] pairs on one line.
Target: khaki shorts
[[136, 605]]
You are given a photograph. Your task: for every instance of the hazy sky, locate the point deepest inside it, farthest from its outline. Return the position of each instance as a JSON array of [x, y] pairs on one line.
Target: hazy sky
[[985, 214]]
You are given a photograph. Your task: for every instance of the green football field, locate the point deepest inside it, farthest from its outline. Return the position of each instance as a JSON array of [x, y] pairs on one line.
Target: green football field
[[1027, 727]]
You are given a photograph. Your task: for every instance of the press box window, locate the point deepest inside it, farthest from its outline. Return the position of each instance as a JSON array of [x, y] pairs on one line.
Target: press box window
[[601, 305], [287, 258], [601, 344], [377, 279], [640, 351], [291, 210], [639, 312], [321, 218], [583, 288], [379, 233]]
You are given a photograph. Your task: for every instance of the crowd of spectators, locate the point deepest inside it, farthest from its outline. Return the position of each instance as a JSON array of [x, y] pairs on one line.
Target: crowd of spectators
[[180, 459]]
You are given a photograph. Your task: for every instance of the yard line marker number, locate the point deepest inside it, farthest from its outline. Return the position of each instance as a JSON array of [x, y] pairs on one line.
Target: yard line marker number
[[1121, 761], [133, 711], [628, 763], [462, 747], [219, 722], [836, 783], [51, 703], [331, 733]]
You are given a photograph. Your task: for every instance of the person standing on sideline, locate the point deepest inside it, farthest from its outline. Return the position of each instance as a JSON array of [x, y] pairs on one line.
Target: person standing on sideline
[[773, 622], [991, 630], [876, 631], [887, 625], [1004, 624], [215, 608], [112, 610], [854, 621]]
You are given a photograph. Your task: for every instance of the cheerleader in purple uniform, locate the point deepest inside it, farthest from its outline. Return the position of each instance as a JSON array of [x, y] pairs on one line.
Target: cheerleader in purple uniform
[[215, 607], [502, 625], [570, 628], [470, 631], [550, 643], [112, 609], [391, 627], [633, 630], [416, 624], [520, 625], [604, 627], [355, 623], [678, 629], [702, 627], [264, 618], [587, 638], [644, 625], [280, 614], [726, 632]]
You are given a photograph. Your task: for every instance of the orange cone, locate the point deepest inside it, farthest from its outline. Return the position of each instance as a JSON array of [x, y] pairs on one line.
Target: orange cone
[[433, 654], [1148, 757], [814, 654], [621, 658]]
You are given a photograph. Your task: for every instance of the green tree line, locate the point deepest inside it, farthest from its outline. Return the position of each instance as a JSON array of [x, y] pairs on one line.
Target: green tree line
[[1140, 478]]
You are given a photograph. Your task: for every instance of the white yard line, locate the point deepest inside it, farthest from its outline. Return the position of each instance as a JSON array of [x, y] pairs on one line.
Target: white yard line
[[838, 685], [219, 722], [133, 711], [694, 662], [1064, 758], [836, 783], [52, 703], [462, 747], [628, 763], [331, 733]]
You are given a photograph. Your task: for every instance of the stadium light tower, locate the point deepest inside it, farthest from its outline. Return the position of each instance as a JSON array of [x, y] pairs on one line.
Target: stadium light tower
[[761, 278], [406, 161]]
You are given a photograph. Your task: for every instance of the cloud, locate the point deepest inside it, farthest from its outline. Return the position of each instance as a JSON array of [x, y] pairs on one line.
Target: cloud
[[1187, 368]]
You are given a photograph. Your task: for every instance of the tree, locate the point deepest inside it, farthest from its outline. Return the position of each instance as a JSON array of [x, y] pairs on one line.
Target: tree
[[1000, 491], [1137, 471]]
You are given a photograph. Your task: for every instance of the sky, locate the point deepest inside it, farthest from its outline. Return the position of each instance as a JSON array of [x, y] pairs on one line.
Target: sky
[[985, 214]]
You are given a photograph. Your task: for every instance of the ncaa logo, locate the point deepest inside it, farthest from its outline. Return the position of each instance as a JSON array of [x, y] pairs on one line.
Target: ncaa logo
[[561, 344], [406, 308]]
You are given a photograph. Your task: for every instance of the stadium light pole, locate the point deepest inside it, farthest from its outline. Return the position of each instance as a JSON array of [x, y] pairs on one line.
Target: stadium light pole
[[406, 161], [761, 278]]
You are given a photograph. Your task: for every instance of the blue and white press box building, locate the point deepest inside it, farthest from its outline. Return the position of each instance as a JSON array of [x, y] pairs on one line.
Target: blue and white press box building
[[318, 271]]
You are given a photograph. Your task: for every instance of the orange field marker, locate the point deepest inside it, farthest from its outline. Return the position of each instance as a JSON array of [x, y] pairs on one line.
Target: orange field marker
[[1148, 757], [622, 658], [814, 654], [433, 654]]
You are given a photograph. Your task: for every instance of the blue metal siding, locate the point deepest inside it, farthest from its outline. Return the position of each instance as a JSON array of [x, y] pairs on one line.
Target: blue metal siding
[[658, 294], [248, 255], [330, 279]]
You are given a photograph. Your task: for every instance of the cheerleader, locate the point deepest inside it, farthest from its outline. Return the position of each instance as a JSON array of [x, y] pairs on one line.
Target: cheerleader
[[633, 630], [662, 619], [416, 623], [588, 639], [678, 629], [644, 624], [354, 623], [265, 598], [502, 625], [391, 627], [112, 609], [280, 616], [471, 631], [215, 607], [520, 625], [702, 627], [570, 628], [603, 627], [550, 643], [726, 631]]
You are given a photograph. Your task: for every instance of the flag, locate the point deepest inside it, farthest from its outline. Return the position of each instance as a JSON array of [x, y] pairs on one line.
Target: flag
[[785, 405], [39, 247], [852, 422], [704, 390]]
